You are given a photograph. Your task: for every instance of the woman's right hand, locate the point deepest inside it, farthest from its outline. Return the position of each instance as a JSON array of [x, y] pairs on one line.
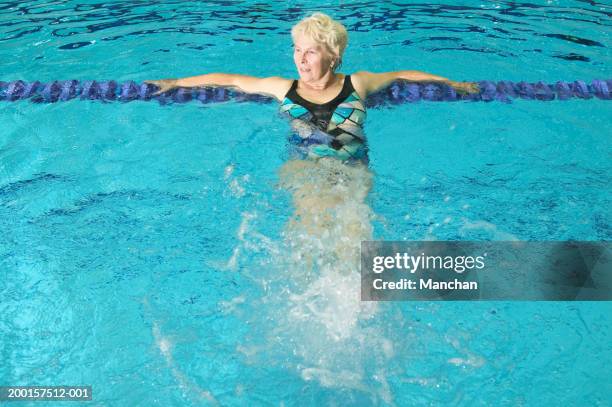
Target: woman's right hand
[[164, 85]]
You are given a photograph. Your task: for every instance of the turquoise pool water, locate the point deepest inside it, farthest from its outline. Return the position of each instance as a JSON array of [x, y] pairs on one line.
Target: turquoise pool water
[[144, 250]]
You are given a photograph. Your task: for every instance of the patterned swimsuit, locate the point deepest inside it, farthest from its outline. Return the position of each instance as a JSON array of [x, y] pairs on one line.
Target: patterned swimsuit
[[332, 129]]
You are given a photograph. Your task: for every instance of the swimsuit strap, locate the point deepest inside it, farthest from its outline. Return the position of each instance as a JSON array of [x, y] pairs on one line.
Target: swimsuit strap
[[293, 89]]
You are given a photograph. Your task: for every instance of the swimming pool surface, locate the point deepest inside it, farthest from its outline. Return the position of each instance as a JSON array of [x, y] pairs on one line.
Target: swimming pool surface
[[143, 248]]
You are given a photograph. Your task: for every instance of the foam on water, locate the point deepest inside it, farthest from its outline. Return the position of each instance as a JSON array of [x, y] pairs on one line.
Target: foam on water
[[311, 316]]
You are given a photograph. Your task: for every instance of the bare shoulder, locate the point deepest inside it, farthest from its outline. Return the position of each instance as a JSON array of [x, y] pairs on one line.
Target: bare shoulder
[[277, 86], [361, 82]]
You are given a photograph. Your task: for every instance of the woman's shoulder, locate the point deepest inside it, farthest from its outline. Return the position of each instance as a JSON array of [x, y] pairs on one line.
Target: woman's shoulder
[[360, 82], [278, 86]]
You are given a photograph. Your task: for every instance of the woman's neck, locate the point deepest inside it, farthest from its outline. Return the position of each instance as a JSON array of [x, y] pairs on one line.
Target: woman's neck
[[325, 82]]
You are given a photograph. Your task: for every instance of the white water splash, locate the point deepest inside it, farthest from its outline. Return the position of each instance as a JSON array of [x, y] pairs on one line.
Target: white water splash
[[319, 319], [310, 315]]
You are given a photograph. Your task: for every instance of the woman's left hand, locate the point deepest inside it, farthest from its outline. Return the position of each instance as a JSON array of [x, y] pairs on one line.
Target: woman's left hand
[[465, 87]]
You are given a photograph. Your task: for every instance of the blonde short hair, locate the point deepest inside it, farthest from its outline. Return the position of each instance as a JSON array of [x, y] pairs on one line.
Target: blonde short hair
[[326, 31]]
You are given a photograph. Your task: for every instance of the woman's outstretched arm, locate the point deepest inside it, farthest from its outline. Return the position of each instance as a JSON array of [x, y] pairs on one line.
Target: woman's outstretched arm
[[369, 82], [272, 86]]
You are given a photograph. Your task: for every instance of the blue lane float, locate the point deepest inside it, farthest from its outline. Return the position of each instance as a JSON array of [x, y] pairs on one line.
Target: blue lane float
[[396, 93]]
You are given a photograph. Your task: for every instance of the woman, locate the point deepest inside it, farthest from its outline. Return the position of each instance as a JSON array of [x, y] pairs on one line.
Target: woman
[[328, 112]]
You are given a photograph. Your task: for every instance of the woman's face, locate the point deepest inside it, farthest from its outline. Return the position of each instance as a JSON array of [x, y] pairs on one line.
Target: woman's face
[[311, 59]]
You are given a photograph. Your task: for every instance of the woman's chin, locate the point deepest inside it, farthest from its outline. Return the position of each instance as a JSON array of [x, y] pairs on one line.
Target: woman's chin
[[305, 76]]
